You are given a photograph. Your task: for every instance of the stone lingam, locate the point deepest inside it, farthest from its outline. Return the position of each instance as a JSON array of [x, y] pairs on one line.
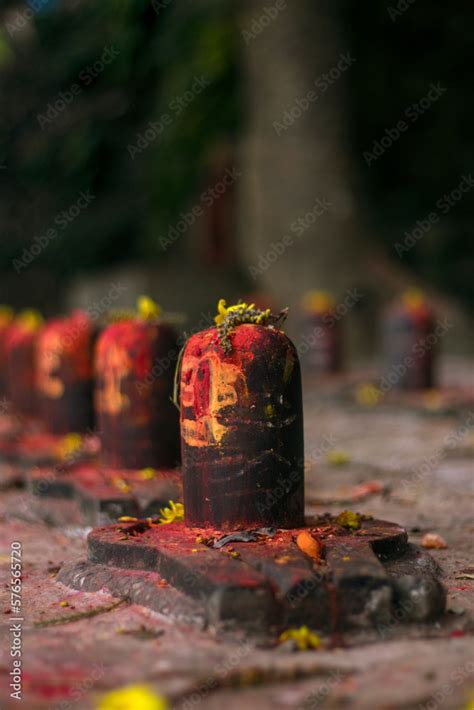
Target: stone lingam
[[9, 422], [65, 373], [322, 346], [24, 438], [410, 345], [241, 552], [64, 380], [412, 335], [137, 424]]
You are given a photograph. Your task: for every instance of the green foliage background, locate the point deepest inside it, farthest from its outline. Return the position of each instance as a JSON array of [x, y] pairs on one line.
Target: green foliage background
[[163, 45]]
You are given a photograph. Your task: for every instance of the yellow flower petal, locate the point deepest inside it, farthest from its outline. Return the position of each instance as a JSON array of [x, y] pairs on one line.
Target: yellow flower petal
[[303, 637], [470, 702], [348, 519], [6, 315], [367, 395], [221, 312], [413, 298], [147, 308], [121, 485], [133, 697], [147, 474], [337, 457], [175, 513], [318, 302], [30, 319], [69, 445]]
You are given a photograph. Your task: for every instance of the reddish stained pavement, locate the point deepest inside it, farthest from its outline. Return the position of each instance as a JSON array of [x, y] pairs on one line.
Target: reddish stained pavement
[[429, 487]]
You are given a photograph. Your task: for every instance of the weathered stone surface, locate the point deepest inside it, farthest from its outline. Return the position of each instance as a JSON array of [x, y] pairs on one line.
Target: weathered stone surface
[[426, 469], [101, 495]]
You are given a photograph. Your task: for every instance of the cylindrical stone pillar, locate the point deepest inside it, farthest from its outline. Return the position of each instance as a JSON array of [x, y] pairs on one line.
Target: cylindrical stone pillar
[[65, 373], [20, 344], [409, 344], [242, 427], [138, 424], [321, 346], [6, 319]]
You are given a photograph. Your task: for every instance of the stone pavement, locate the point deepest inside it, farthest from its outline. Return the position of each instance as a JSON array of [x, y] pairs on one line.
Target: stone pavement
[[423, 467]]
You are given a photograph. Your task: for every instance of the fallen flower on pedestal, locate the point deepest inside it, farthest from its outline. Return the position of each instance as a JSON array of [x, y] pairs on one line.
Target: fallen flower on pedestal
[[172, 514], [304, 638]]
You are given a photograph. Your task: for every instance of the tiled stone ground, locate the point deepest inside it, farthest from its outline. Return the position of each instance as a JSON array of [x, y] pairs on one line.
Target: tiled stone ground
[[425, 464]]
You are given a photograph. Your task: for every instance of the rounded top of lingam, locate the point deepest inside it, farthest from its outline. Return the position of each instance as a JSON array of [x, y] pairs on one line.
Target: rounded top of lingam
[[412, 304], [6, 315], [229, 318], [24, 328]]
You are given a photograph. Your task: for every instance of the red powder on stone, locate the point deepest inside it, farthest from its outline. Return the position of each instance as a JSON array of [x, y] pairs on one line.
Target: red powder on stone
[[69, 339], [20, 341], [241, 427], [132, 337], [135, 363]]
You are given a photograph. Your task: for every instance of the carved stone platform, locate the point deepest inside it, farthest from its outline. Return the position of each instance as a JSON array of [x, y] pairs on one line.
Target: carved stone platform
[[365, 577]]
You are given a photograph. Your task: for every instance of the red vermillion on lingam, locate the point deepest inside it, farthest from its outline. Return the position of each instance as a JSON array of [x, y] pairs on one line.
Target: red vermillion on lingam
[[65, 373], [20, 347], [137, 421], [242, 424], [409, 343], [6, 319], [321, 346]]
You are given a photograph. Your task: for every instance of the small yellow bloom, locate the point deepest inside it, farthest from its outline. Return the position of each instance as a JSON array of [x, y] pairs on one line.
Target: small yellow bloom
[[318, 302], [241, 308], [367, 395], [147, 474], [337, 457], [147, 308], [6, 315], [121, 485], [133, 697], [174, 513], [303, 637], [348, 519], [69, 445], [413, 298], [64, 603], [221, 312], [470, 702], [30, 319]]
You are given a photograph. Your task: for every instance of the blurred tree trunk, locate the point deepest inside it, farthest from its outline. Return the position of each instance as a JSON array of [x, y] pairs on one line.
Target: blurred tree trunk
[[295, 152]]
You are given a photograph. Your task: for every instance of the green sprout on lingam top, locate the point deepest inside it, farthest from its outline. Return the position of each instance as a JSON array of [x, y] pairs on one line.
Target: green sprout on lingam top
[[229, 317]]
